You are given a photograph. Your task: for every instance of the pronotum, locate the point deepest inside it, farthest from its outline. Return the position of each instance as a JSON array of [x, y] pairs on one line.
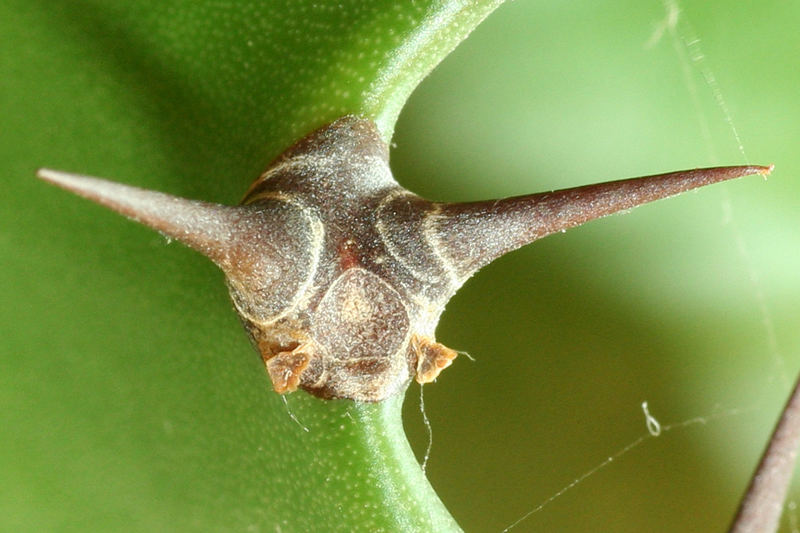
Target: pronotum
[[339, 274]]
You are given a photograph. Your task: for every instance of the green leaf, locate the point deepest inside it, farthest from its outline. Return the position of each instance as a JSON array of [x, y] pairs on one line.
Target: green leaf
[[134, 398], [571, 334], [131, 399]]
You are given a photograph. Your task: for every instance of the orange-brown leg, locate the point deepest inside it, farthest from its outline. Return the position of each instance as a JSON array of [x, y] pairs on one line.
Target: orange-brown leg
[[286, 368], [432, 357]]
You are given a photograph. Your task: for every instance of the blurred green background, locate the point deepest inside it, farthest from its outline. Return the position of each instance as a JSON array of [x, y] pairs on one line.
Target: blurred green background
[[666, 304]]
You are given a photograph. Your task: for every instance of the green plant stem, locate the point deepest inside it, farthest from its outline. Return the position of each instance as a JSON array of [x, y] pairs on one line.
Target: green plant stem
[[361, 469], [762, 505], [142, 407]]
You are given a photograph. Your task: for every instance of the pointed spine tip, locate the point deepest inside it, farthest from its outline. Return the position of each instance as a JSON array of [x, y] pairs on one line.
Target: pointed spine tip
[[503, 225], [53, 176], [749, 170], [86, 186], [715, 174], [208, 228], [43, 173]]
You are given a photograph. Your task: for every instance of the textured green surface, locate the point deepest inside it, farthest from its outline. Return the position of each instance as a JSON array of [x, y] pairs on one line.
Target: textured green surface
[[572, 333], [131, 400]]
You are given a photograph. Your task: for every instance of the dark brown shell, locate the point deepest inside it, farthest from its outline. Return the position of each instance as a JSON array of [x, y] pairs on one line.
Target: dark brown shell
[[339, 275]]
